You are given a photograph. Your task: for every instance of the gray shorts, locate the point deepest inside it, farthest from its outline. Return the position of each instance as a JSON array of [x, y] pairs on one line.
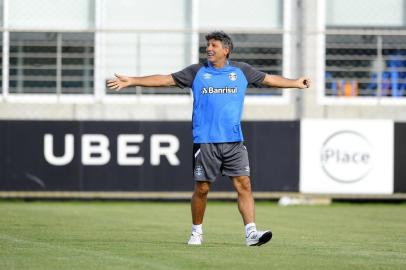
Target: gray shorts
[[211, 159]]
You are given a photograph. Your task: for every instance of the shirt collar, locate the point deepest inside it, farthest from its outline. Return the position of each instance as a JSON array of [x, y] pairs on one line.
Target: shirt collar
[[225, 66]]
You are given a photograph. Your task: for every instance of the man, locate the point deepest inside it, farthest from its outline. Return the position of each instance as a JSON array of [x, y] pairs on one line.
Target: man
[[218, 87]]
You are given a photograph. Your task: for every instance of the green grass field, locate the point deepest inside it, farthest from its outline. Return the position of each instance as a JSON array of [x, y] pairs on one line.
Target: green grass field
[[141, 235]]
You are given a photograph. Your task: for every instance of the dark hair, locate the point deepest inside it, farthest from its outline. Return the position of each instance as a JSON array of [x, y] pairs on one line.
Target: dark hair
[[223, 37]]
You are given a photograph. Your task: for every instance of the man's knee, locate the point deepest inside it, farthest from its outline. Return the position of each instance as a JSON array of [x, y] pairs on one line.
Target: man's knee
[[202, 188], [242, 184]]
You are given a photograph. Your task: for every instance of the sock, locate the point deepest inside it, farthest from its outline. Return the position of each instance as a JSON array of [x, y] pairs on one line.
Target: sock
[[197, 229], [249, 228]]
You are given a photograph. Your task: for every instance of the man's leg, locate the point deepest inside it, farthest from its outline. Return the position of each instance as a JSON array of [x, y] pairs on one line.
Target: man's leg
[[198, 205], [199, 201], [246, 204]]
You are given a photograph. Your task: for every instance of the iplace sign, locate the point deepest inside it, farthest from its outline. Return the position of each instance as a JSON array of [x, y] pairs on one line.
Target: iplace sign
[[347, 156]]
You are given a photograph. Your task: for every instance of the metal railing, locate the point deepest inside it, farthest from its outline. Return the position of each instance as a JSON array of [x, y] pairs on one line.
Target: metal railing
[[64, 63], [51, 63], [360, 63]]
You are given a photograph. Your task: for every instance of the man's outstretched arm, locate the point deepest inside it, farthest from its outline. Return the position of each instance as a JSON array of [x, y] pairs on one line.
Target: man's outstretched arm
[[281, 82], [122, 81]]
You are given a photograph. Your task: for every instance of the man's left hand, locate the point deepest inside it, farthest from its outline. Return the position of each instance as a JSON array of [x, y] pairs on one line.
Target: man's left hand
[[303, 82]]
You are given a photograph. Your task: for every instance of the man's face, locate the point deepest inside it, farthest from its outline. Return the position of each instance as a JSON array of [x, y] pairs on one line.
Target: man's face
[[215, 51]]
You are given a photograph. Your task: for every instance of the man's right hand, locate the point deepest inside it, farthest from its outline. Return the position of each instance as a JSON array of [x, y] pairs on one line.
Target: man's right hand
[[119, 82]]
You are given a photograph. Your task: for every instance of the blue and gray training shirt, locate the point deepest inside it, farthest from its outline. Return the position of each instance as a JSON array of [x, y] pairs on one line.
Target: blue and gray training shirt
[[218, 95]]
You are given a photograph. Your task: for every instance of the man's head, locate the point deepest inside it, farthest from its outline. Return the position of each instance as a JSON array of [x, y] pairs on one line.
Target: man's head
[[219, 46]]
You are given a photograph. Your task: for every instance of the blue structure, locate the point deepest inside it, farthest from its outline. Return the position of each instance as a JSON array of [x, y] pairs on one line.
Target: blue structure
[[393, 78]]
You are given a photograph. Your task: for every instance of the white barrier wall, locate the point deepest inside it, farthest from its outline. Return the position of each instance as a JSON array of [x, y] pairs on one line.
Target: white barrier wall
[[347, 156]]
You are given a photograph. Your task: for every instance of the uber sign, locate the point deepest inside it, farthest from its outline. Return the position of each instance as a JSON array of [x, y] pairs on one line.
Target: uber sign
[[347, 156], [133, 156], [95, 156], [95, 149]]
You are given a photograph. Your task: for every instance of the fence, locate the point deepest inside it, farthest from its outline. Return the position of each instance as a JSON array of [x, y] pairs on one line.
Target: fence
[[363, 64]]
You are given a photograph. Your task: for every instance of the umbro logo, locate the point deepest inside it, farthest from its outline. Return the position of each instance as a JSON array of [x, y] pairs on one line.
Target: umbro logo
[[207, 76]]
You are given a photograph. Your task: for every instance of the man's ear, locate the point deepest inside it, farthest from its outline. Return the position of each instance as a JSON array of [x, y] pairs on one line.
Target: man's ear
[[227, 51]]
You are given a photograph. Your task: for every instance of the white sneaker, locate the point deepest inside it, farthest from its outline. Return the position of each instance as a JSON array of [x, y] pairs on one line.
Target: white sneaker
[[195, 239], [258, 238]]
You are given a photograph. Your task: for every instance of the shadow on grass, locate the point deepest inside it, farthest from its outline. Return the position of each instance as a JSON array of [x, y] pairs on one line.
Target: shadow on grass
[[184, 244]]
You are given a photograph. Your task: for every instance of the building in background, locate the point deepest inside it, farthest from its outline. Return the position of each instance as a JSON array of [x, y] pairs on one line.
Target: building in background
[[57, 56]]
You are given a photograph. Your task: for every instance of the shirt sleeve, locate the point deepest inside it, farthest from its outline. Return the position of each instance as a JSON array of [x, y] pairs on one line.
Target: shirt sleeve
[[253, 75], [186, 76]]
